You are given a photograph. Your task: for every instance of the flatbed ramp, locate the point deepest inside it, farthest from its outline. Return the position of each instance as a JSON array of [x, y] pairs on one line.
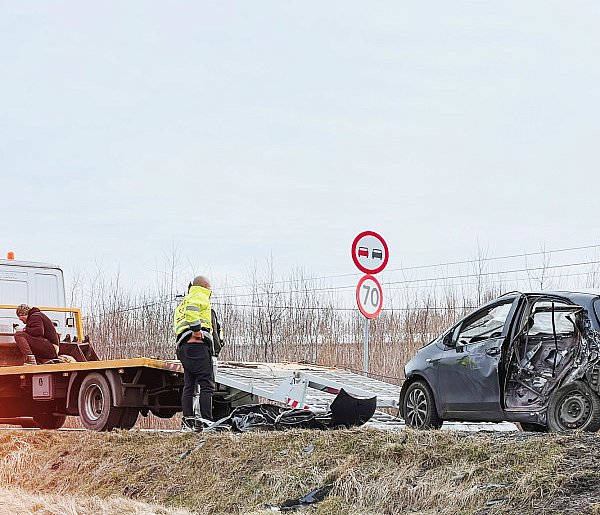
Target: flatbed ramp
[[306, 386], [314, 387]]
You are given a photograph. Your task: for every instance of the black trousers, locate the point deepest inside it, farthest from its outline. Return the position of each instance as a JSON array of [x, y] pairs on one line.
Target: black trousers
[[197, 367]]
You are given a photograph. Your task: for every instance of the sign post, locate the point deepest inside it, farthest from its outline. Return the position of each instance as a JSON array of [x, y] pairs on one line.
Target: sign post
[[369, 297], [370, 254], [366, 348]]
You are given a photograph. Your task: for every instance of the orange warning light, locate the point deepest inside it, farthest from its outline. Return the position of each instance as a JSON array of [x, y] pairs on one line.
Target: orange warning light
[[10, 255]]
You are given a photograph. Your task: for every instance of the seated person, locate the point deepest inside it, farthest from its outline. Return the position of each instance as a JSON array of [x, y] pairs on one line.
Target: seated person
[[39, 340]]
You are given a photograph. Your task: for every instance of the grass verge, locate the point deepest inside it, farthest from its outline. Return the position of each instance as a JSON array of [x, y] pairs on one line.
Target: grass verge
[[371, 471]]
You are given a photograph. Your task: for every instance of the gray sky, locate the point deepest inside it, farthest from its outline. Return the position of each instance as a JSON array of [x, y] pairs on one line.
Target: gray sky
[[236, 131]]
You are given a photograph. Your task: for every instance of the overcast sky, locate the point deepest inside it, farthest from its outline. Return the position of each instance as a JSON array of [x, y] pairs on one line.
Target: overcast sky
[[237, 131]]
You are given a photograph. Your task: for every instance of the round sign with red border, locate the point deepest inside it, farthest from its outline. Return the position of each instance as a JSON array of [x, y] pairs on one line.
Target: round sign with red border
[[370, 252], [369, 296]]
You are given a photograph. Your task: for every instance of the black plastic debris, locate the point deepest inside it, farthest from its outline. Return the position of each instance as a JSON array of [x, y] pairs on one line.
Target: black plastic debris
[[313, 497], [253, 417], [346, 411]]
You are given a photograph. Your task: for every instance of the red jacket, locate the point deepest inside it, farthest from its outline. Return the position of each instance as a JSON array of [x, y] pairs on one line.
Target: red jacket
[[41, 326]]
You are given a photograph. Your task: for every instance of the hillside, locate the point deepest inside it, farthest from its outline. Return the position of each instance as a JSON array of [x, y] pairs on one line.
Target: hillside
[[370, 472]]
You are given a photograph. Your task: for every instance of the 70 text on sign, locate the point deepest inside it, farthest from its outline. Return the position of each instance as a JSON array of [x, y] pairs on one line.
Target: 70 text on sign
[[369, 296]]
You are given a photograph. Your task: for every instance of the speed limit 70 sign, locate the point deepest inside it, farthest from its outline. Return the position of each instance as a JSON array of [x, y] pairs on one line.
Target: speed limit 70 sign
[[369, 296]]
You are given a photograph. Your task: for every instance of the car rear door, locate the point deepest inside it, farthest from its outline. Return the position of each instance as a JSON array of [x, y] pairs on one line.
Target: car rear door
[[469, 386]]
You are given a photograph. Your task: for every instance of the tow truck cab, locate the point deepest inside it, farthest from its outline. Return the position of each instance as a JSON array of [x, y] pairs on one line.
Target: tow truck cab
[[35, 284]]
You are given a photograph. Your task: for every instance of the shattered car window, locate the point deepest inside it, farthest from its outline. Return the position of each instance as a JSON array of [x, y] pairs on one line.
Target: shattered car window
[[487, 324], [542, 322]]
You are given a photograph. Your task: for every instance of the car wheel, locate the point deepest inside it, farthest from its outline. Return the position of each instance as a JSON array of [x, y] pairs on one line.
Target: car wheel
[[49, 421], [533, 428], [574, 406], [419, 407], [95, 404]]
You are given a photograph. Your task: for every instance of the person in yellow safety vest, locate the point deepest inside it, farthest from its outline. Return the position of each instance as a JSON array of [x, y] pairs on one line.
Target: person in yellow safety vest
[[193, 327]]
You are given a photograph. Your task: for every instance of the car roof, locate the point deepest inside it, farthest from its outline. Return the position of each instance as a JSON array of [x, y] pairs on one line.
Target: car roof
[[587, 295], [581, 298], [574, 296]]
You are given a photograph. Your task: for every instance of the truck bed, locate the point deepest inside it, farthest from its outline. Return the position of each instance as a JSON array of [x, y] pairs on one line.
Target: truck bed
[[174, 366]]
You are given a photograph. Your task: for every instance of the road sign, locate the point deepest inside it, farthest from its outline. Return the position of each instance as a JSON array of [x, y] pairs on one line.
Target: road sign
[[370, 252], [369, 296]]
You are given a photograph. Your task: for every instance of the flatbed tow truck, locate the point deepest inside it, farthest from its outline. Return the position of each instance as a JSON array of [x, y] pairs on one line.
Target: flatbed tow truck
[[109, 394]]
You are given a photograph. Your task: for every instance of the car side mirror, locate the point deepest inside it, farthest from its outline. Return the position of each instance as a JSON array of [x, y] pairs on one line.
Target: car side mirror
[[448, 342]]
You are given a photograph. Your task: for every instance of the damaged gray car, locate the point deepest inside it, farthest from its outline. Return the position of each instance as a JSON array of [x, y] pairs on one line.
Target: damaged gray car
[[532, 358]]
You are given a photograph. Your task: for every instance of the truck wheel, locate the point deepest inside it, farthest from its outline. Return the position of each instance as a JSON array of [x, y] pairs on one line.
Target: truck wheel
[[95, 404], [419, 407], [574, 406], [49, 421], [128, 418]]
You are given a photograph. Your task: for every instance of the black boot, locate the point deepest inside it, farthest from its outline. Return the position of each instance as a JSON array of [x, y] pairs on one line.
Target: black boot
[[190, 424]]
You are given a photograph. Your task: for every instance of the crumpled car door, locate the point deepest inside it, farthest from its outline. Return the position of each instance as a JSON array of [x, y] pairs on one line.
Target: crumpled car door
[[468, 372]]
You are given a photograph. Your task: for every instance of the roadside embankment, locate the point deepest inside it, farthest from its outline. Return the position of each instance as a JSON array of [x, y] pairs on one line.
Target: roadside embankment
[[370, 471]]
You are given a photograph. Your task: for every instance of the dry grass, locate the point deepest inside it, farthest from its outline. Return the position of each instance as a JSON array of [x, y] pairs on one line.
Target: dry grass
[[16, 500], [372, 471]]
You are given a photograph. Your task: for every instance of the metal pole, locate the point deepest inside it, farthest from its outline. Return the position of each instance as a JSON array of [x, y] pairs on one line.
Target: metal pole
[[366, 348]]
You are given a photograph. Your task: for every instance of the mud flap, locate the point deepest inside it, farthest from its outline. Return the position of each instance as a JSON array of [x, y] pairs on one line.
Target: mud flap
[[347, 410]]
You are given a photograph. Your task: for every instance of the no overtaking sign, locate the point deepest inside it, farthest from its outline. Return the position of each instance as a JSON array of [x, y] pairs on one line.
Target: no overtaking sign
[[370, 252]]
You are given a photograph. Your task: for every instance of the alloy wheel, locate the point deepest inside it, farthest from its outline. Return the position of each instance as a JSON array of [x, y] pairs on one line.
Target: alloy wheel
[[416, 408]]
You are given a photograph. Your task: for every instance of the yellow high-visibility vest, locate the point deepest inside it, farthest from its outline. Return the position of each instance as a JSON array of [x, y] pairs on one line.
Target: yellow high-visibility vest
[[193, 313]]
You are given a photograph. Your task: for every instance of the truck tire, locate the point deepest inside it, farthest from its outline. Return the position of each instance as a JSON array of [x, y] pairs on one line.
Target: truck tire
[[128, 418], [574, 406], [49, 421], [419, 407], [95, 403]]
